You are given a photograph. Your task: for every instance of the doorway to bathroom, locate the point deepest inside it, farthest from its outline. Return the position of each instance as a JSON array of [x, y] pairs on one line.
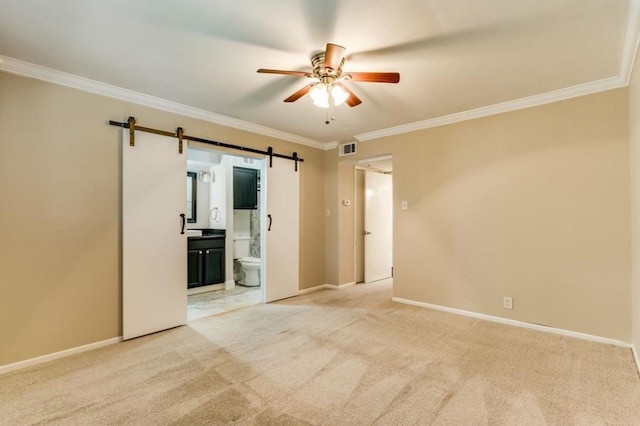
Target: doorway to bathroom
[[155, 237], [256, 206], [373, 195], [228, 206]]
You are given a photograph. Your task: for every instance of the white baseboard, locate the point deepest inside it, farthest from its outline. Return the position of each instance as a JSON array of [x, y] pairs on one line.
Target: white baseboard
[[636, 357], [341, 286], [57, 355], [324, 286], [312, 289], [516, 323]]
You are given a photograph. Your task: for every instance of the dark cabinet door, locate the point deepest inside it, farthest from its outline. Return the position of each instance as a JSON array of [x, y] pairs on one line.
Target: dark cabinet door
[[205, 262], [245, 188], [213, 266], [194, 267]]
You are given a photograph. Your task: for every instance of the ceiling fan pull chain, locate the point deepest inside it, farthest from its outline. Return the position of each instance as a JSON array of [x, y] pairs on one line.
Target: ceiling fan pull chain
[[330, 114]]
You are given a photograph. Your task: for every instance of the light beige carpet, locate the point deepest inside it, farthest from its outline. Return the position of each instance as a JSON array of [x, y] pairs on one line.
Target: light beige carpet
[[332, 357]]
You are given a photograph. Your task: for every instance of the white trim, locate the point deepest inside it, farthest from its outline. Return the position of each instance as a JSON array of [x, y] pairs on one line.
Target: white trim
[[522, 103], [312, 289], [331, 145], [57, 355], [325, 286], [373, 159], [631, 39], [229, 284], [27, 69], [341, 286], [516, 323], [629, 48], [636, 357]]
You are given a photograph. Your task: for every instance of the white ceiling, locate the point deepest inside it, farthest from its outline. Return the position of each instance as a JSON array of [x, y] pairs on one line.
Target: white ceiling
[[453, 55]]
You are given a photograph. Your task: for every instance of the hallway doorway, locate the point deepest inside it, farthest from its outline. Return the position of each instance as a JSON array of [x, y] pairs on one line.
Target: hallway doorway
[[373, 219]]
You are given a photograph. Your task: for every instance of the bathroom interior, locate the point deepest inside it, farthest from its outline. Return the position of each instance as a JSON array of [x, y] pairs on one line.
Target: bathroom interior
[[224, 220]]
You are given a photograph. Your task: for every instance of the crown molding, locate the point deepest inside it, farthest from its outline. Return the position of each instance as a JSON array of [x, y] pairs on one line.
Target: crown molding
[[629, 49], [522, 103], [630, 46], [26, 69], [331, 145]]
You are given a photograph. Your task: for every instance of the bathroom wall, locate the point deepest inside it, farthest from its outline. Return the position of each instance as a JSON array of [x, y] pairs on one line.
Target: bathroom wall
[[249, 219], [218, 196], [241, 223], [255, 231]]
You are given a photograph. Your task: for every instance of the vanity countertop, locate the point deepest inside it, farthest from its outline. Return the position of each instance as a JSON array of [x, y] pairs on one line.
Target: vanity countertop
[[207, 237], [208, 233]]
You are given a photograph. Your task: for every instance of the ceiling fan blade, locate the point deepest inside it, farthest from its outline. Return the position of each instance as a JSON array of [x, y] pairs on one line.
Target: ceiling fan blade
[[352, 100], [300, 93], [284, 72], [375, 77], [333, 55]]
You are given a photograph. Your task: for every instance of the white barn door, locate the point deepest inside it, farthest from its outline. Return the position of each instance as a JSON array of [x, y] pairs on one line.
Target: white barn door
[[283, 230], [154, 252]]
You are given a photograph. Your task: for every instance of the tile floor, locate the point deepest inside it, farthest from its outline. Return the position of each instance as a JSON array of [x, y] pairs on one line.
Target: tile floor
[[218, 301]]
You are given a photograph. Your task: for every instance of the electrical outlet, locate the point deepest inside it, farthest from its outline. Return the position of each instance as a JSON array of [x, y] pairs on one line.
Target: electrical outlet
[[507, 302]]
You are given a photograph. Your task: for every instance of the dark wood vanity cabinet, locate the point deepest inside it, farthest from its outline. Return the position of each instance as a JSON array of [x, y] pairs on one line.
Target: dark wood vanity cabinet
[[245, 188], [205, 261]]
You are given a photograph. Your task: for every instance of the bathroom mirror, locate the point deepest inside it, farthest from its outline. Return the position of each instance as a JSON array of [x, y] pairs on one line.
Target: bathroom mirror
[[192, 181]]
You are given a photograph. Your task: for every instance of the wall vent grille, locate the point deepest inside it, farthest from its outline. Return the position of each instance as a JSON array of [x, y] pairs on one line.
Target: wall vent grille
[[347, 149]]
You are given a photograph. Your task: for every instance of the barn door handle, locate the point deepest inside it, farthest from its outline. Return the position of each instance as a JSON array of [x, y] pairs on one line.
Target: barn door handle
[[270, 222], [184, 222]]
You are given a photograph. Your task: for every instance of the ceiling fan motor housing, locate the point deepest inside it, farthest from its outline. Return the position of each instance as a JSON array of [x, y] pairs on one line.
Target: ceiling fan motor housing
[[322, 73]]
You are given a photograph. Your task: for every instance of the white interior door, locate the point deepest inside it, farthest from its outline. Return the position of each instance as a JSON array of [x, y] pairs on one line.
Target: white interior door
[[283, 229], [378, 226], [154, 252]]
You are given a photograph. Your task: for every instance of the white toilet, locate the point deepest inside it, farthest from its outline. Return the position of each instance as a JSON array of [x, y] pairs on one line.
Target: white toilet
[[250, 265]]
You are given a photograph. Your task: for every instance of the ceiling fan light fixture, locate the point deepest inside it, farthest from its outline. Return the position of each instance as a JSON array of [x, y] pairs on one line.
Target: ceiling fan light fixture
[[319, 94], [339, 95]]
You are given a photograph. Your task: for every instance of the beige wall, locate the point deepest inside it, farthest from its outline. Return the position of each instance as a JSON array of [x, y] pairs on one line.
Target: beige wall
[[346, 249], [331, 218], [340, 250], [59, 212], [532, 204], [634, 146]]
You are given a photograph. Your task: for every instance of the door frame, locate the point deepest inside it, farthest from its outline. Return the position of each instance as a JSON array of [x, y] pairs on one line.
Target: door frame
[[229, 266], [364, 164], [264, 182]]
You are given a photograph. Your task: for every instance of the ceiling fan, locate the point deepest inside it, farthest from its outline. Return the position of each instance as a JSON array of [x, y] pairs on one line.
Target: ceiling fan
[[330, 90]]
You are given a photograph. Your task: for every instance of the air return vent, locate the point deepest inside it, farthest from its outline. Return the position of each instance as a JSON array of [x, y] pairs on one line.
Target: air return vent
[[347, 149]]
